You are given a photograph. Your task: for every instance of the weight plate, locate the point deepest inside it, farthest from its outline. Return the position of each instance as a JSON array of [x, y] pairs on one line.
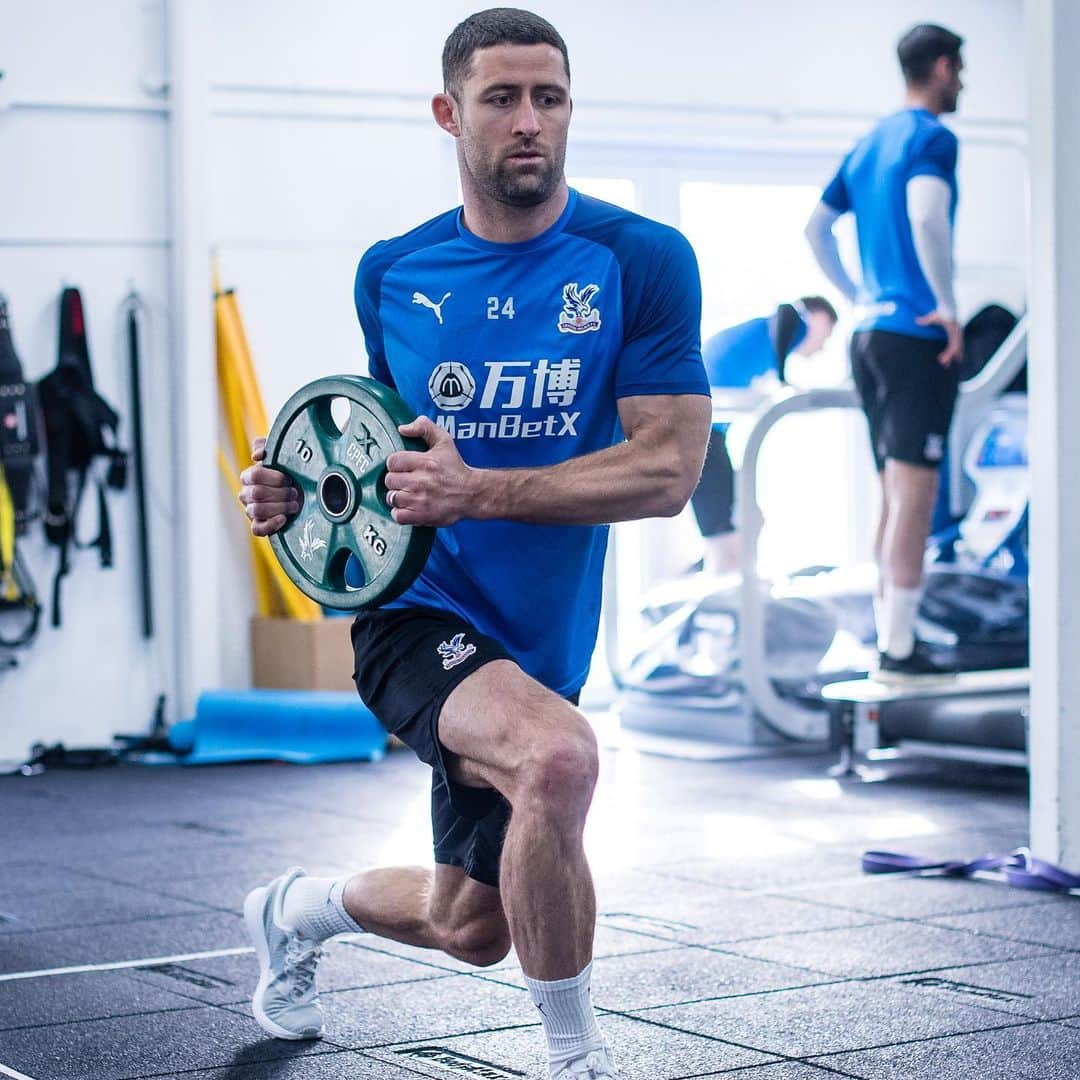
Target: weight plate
[[339, 464]]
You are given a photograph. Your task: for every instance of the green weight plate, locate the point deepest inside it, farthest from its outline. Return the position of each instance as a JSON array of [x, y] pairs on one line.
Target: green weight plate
[[341, 472]]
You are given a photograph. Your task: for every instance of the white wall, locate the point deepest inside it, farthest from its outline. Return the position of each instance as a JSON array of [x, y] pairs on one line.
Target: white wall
[[1055, 440], [83, 202], [320, 142]]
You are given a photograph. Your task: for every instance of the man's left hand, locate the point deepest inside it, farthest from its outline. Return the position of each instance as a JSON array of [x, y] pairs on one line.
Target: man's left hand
[[953, 352], [430, 487]]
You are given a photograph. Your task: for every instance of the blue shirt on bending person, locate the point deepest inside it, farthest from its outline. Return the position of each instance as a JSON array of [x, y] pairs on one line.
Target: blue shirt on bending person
[[734, 358]]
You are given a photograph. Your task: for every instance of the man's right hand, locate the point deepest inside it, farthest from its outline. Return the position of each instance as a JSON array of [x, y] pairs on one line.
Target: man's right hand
[[268, 495], [954, 347]]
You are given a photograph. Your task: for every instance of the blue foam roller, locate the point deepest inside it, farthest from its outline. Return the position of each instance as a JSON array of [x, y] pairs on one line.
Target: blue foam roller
[[301, 726], [182, 736]]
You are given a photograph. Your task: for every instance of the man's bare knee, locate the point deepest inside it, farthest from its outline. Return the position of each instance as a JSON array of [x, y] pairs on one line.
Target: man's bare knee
[[482, 941], [560, 772]]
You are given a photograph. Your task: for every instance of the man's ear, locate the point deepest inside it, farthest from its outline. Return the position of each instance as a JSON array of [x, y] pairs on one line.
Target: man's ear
[[943, 69], [445, 110]]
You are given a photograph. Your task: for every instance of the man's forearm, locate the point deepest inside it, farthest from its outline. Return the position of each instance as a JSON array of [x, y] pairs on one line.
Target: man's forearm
[[621, 483], [826, 251], [651, 474]]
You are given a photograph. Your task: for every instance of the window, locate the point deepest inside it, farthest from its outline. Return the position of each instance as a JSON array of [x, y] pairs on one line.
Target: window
[[814, 470], [753, 255], [620, 192]]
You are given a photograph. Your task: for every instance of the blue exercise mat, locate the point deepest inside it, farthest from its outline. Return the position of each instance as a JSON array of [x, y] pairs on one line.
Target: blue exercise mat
[[300, 726]]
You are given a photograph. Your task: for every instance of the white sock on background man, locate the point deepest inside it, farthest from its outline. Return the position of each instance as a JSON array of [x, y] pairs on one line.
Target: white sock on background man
[[900, 608]]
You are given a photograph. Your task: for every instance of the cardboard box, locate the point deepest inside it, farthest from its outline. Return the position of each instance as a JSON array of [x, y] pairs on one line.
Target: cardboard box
[[287, 654]]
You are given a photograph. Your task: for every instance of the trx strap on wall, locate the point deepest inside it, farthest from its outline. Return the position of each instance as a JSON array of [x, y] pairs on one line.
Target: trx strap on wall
[[80, 426], [18, 429], [134, 303], [17, 593]]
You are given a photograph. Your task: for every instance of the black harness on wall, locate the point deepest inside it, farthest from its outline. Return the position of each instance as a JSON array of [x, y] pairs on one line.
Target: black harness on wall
[[80, 426]]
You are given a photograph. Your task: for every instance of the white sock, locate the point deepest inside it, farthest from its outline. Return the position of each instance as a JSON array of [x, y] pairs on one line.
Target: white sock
[[314, 908], [901, 607], [567, 1013], [879, 623]]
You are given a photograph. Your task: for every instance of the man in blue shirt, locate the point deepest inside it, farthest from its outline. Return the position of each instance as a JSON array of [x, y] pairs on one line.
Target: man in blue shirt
[[737, 358], [550, 344], [900, 183]]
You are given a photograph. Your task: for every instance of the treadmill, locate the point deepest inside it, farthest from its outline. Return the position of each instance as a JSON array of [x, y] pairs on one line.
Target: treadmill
[[977, 713]]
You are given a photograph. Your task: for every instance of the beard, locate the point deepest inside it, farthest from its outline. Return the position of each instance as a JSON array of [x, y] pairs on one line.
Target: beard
[[514, 185], [948, 100]]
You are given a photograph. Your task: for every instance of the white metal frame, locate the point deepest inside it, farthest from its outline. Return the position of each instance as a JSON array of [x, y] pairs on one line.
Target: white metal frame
[[976, 395], [787, 717]]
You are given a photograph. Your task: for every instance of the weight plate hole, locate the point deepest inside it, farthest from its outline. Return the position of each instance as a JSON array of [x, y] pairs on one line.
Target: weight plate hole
[[335, 494], [346, 571], [340, 411]]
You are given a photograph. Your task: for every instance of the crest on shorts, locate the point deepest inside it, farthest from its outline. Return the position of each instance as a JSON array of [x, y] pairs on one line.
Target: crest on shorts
[[578, 316], [455, 651]]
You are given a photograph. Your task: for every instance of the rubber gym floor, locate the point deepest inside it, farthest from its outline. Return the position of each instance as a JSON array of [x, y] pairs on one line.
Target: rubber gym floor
[[737, 936]]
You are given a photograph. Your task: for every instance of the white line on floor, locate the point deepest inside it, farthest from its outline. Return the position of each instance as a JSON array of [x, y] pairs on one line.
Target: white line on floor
[[5, 1071], [153, 961]]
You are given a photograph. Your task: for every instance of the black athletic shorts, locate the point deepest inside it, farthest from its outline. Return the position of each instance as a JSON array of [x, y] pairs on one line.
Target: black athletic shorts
[[908, 397], [408, 660], [714, 498]]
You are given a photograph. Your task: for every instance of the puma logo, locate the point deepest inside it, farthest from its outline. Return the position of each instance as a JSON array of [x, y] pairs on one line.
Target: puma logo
[[423, 301]]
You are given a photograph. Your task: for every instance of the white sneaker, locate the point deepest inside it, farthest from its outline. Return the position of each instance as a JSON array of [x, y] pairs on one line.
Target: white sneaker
[[285, 1003], [594, 1065]]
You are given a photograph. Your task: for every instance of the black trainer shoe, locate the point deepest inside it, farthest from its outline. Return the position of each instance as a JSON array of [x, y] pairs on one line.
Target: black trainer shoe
[[918, 664]]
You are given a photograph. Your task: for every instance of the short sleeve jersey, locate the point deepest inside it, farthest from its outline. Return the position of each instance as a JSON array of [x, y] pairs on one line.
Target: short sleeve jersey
[[872, 184], [521, 352], [735, 357]]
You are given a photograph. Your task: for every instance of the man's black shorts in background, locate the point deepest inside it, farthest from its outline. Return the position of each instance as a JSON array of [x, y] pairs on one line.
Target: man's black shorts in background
[[908, 397], [408, 661], [714, 498]]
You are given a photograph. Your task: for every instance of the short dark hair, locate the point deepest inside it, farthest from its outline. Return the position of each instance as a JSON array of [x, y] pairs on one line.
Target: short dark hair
[[496, 26], [922, 46], [819, 303]]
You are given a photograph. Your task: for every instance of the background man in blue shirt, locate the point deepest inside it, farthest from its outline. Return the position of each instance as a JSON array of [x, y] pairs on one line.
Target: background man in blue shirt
[[738, 358], [900, 183], [550, 344]]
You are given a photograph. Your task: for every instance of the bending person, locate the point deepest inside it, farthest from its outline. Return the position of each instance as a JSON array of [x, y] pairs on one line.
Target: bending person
[[900, 183], [737, 358], [556, 368]]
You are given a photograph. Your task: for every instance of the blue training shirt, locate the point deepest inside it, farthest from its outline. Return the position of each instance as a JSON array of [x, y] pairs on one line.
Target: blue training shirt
[[521, 352], [872, 183], [735, 357]]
